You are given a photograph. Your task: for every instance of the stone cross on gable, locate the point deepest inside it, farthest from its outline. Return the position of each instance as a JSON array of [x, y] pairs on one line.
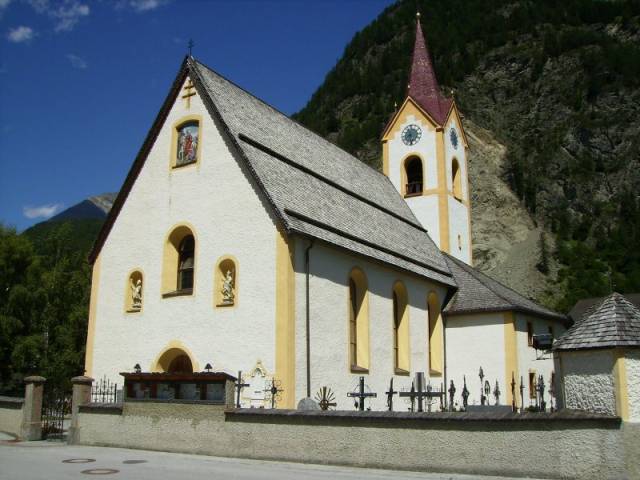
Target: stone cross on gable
[[189, 89]]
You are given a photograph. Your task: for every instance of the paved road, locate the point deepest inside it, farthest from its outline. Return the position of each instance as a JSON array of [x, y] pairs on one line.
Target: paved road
[[46, 460]]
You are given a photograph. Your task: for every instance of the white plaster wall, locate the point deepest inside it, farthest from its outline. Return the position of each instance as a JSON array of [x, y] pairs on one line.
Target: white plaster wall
[[217, 198], [459, 225], [330, 366], [589, 380], [475, 341], [529, 360], [425, 148], [425, 208], [632, 364]]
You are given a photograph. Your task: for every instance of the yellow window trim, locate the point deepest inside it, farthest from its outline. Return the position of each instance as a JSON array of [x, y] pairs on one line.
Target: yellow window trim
[[362, 322], [170, 257], [404, 347]]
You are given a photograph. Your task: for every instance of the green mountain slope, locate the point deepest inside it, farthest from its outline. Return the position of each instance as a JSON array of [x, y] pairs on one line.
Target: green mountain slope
[[551, 93]]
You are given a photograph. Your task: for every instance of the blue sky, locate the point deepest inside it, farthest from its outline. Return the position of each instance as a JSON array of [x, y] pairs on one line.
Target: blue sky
[[82, 80]]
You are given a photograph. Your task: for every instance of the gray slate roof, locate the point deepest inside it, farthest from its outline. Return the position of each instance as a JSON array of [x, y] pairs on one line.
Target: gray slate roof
[[319, 190], [615, 322], [588, 305], [478, 292]]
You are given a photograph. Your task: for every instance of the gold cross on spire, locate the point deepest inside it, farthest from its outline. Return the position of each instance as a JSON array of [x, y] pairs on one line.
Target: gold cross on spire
[[188, 88]]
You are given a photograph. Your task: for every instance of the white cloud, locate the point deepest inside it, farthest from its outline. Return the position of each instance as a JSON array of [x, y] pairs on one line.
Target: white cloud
[[20, 34], [142, 5], [76, 61], [65, 13], [44, 211]]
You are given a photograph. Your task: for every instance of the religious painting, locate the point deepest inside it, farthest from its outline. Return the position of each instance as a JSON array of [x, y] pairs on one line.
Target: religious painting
[[187, 147]]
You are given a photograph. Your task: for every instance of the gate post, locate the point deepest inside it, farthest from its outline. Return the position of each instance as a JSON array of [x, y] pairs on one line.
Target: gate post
[[31, 428], [81, 396]]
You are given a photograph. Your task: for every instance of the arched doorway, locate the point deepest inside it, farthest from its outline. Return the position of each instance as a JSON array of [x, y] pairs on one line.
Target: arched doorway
[[174, 360]]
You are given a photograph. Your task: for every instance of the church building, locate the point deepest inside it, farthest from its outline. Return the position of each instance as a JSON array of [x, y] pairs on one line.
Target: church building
[[242, 241]]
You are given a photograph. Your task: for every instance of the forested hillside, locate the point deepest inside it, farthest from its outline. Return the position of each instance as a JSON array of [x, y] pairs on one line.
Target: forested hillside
[[553, 86]]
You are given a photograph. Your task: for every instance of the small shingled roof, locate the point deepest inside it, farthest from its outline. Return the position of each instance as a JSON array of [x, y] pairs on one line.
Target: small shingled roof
[[478, 293], [588, 305], [615, 322]]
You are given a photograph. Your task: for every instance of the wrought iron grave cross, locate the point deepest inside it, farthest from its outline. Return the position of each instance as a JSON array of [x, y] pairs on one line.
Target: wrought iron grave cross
[[418, 392], [274, 391], [360, 395], [239, 387], [390, 395]]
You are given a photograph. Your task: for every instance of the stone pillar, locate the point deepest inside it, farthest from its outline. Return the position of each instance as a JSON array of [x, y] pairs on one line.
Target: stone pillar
[[81, 396], [31, 428], [230, 393]]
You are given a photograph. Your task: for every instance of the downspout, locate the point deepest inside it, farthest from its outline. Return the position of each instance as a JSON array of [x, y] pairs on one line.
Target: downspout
[[444, 353], [308, 334]]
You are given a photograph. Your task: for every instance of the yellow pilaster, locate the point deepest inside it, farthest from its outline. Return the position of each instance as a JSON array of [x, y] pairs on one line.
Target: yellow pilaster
[[443, 197], [285, 319], [622, 391], [385, 157], [511, 354], [91, 327], [436, 336]]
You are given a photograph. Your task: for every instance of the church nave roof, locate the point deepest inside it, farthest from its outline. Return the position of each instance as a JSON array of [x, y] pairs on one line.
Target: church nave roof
[[318, 189], [478, 292]]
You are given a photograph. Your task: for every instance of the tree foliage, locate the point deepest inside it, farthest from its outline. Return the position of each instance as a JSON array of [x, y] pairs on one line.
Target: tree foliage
[[44, 297]]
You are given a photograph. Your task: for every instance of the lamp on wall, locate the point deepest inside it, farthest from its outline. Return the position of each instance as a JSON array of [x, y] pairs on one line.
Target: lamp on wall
[[208, 368], [137, 368]]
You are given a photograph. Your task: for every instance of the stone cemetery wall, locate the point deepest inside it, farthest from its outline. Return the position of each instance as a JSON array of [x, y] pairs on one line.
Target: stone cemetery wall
[[559, 445], [11, 412]]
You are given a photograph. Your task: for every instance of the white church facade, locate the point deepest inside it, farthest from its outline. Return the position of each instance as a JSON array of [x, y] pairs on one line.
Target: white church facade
[[243, 241]]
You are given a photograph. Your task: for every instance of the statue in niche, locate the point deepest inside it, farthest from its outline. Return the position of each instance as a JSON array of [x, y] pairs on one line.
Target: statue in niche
[[227, 289], [136, 294]]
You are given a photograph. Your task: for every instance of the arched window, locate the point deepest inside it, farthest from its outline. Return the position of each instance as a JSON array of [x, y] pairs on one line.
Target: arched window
[[358, 321], [186, 263], [413, 176], [226, 282], [133, 292], [400, 329], [456, 180], [178, 275], [185, 147], [436, 335]]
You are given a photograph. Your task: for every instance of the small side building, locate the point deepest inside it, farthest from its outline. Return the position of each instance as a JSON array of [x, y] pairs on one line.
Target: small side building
[[598, 360]]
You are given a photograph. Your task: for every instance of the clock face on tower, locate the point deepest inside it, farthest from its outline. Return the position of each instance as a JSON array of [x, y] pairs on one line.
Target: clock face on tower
[[411, 134], [454, 138]]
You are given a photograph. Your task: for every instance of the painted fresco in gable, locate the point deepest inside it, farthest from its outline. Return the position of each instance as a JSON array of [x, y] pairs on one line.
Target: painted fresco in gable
[[188, 135]]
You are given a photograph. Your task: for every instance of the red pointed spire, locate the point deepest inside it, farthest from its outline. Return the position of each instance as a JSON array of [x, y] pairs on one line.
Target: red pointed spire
[[423, 85]]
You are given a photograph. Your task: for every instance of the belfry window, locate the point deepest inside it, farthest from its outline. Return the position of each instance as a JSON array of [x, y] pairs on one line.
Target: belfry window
[[358, 322], [186, 263], [456, 180], [413, 175]]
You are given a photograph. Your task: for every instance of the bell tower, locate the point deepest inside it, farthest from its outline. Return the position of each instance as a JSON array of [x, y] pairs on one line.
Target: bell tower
[[424, 153]]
